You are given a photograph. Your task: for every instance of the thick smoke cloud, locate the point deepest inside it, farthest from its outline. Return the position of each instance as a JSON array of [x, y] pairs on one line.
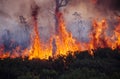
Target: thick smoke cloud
[[109, 4], [78, 16], [12, 10]]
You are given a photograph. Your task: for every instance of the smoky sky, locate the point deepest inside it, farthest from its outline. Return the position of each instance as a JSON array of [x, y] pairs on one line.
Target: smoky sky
[[78, 16], [109, 4]]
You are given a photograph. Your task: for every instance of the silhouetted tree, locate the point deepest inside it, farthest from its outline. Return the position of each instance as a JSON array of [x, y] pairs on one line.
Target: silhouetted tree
[[59, 4]]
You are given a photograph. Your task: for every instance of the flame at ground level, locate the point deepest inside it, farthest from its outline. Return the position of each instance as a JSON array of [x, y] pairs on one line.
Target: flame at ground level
[[63, 42]]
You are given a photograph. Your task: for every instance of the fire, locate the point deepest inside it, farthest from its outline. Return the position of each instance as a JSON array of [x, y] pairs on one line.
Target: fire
[[63, 41], [117, 35], [98, 34], [1, 51], [15, 52], [4, 55], [37, 50]]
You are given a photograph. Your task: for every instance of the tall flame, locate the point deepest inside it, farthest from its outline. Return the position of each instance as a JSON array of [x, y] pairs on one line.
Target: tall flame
[[63, 41], [98, 35], [37, 50], [117, 35]]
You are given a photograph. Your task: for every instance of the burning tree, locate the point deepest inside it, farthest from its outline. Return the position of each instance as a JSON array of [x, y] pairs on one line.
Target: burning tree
[[37, 49], [63, 40], [59, 4]]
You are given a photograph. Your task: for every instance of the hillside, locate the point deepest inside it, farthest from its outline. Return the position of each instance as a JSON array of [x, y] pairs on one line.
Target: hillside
[[105, 64]]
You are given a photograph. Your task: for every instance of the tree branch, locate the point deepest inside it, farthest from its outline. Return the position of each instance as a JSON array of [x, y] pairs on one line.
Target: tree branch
[[61, 3]]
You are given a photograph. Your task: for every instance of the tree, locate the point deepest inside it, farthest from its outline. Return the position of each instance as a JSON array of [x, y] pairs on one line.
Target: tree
[[59, 4], [24, 22]]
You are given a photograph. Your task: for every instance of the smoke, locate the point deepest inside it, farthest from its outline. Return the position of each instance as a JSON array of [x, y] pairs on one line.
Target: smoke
[[11, 10], [78, 16], [109, 4]]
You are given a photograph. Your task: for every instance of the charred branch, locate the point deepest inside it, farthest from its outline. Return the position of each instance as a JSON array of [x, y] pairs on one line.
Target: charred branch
[[61, 3], [22, 20], [35, 9]]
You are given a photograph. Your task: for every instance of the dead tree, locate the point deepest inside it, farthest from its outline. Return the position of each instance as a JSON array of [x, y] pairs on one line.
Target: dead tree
[[59, 4], [24, 22]]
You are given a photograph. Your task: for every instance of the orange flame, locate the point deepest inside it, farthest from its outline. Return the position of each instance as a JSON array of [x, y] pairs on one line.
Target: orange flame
[[37, 50], [65, 42], [117, 35]]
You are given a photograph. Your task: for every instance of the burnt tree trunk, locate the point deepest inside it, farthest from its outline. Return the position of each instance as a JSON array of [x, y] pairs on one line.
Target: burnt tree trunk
[[59, 4]]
